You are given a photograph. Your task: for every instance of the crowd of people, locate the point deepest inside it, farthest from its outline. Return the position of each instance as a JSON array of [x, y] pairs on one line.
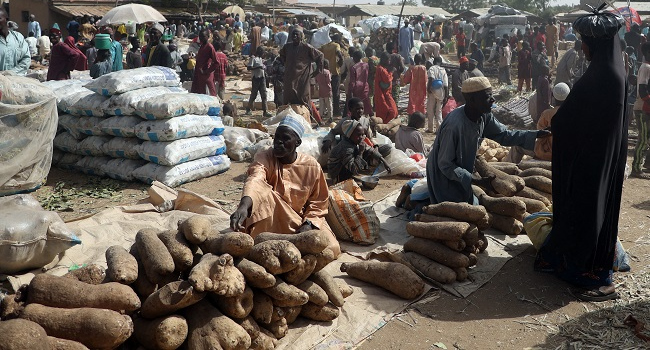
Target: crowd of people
[[286, 191]]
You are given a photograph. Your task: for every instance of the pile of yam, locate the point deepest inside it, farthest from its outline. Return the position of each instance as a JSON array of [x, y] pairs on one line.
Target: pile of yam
[[193, 287], [492, 151], [446, 240], [517, 190], [389, 129]]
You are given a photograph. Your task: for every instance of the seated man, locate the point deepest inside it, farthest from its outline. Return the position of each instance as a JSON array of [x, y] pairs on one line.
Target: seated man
[[451, 161], [409, 137], [352, 155], [286, 191]]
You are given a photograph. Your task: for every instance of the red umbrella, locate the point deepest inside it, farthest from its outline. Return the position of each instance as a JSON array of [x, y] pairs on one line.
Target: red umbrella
[[630, 15]]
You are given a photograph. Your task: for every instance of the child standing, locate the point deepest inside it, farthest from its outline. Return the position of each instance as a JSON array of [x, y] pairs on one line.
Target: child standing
[[504, 62], [103, 64], [256, 65], [416, 75], [324, 81]]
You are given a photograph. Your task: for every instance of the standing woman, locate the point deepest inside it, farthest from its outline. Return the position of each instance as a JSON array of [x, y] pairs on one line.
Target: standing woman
[[589, 166], [64, 57], [385, 107]]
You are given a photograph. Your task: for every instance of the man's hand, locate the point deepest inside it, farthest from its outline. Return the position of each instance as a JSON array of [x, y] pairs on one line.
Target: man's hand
[[240, 215], [543, 133], [327, 145], [305, 227], [485, 182], [383, 161]]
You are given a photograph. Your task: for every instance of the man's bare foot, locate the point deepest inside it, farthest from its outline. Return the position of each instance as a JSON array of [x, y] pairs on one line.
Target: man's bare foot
[[403, 195]]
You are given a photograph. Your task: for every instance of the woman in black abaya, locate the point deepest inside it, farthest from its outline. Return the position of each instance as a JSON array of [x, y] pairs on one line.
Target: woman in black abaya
[[589, 154]]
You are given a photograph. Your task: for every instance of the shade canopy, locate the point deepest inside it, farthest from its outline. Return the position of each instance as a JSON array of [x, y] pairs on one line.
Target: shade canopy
[[132, 13]]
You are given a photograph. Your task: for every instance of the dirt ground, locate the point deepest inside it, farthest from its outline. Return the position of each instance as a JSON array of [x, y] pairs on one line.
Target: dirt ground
[[517, 309]]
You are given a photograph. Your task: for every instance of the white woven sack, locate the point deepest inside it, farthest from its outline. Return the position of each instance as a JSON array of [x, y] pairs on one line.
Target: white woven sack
[[182, 173], [92, 146], [175, 104], [92, 165], [133, 79], [122, 147], [122, 169], [89, 104], [120, 126], [124, 104], [66, 142], [181, 127], [90, 126], [181, 151]]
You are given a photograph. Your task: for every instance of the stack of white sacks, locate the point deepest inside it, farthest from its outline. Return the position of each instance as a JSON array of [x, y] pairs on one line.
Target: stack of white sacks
[[139, 124]]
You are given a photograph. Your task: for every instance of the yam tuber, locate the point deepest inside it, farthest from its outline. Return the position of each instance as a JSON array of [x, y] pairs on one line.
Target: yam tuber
[[291, 313], [537, 171], [19, 334], [325, 313], [164, 333], [91, 274], [506, 224], [179, 249], [275, 256], [430, 269], [304, 269], [11, 306], [217, 274], [237, 244], [447, 231], [533, 194], [473, 259], [122, 266], [155, 258], [325, 281], [471, 236], [65, 344], [436, 251], [507, 167], [234, 307], [458, 245], [94, 328], [503, 183], [394, 277], [55, 291], [308, 242], [532, 205], [255, 275], [250, 326], [483, 242], [262, 307], [324, 258], [265, 341], [506, 206], [528, 164], [285, 294], [458, 211], [169, 299], [195, 229], [209, 329], [345, 289], [278, 328], [539, 182], [316, 294], [461, 273]]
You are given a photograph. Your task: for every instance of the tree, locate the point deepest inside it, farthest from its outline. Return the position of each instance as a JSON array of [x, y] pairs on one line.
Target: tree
[[408, 3], [455, 6]]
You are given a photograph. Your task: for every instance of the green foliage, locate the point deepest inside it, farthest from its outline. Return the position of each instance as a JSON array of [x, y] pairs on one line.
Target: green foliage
[[408, 3], [456, 6]]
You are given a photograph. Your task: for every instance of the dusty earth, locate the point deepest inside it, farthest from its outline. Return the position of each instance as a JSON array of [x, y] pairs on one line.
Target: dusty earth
[[517, 309]]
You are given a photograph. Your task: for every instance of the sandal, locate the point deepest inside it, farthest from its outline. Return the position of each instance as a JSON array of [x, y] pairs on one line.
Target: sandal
[[594, 294], [640, 175]]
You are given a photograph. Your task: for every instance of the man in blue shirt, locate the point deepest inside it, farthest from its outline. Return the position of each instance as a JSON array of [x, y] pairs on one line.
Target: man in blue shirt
[[280, 38], [33, 26], [73, 28], [14, 50], [451, 161]]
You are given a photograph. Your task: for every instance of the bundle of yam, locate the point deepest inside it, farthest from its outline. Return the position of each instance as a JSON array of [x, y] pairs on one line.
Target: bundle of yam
[[236, 64], [446, 239], [517, 191], [381, 36], [389, 129], [492, 151], [192, 286]]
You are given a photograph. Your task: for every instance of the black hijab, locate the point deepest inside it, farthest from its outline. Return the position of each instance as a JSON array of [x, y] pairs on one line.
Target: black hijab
[[589, 150]]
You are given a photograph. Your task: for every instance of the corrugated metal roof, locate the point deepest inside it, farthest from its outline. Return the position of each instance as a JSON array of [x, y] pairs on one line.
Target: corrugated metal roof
[[80, 10], [304, 12], [640, 7], [380, 10]]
